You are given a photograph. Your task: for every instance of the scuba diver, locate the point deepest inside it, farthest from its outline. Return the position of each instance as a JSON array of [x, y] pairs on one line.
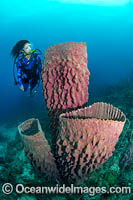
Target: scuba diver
[[28, 64]]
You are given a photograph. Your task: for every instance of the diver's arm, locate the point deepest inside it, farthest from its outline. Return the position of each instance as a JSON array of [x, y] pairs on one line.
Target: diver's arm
[[39, 63], [19, 73]]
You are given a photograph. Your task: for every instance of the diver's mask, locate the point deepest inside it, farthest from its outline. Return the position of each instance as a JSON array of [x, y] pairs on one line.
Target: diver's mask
[[28, 47]]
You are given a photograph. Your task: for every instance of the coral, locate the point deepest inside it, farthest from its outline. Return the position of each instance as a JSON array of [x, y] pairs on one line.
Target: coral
[[126, 160], [115, 169], [3, 147], [111, 179], [26, 197], [37, 149], [87, 138]]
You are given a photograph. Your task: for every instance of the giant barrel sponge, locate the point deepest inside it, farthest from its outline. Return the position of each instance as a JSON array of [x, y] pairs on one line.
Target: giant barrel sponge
[[86, 139], [37, 149], [65, 76], [65, 80]]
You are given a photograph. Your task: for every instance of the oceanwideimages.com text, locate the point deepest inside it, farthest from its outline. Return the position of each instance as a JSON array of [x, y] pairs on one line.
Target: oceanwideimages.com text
[[8, 188]]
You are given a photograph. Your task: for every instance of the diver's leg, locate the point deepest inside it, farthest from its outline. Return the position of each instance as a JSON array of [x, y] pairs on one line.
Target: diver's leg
[[25, 85], [25, 82], [33, 83]]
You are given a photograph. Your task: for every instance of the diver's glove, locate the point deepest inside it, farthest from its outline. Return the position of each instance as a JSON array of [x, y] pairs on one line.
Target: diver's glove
[[21, 87]]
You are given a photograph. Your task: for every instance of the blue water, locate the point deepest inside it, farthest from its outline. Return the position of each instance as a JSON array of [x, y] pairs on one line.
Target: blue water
[[107, 31]]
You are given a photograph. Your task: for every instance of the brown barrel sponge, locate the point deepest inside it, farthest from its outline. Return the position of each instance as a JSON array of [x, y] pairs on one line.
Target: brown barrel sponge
[[65, 76], [37, 149], [87, 138]]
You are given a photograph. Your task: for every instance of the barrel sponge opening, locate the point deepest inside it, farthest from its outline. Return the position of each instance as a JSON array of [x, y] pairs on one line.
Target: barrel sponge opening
[[98, 110], [29, 127]]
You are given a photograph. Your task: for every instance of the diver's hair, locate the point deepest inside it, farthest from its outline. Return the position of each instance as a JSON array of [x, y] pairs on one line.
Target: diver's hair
[[18, 47]]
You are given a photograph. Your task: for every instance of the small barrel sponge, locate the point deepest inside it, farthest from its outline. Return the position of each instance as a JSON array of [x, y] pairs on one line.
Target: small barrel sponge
[[87, 138], [37, 149], [65, 76]]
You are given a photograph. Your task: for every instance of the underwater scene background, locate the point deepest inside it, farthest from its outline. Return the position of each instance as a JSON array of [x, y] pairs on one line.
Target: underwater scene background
[[107, 29]]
